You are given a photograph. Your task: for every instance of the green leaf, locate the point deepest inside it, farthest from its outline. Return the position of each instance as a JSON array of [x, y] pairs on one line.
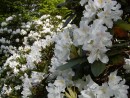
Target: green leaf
[[122, 44], [127, 9], [124, 1], [122, 24], [117, 60], [73, 52], [97, 68], [69, 20], [72, 63], [61, 5], [114, 51]]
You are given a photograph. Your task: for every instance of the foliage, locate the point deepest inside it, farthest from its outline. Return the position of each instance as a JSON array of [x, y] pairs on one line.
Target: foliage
[[30, 8]]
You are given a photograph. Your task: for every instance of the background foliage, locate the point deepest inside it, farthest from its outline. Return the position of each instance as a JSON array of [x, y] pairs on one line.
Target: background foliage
[[30, 8]]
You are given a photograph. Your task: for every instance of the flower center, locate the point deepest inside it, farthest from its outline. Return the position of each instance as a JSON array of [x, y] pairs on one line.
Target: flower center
[[100, 1]]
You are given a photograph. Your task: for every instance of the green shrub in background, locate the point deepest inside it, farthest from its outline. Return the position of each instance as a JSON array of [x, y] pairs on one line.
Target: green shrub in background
[[30, 8]]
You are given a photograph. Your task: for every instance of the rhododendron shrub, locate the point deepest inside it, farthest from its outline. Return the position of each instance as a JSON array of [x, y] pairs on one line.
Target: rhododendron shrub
[[17, 31], [28, 49], [87, 56]]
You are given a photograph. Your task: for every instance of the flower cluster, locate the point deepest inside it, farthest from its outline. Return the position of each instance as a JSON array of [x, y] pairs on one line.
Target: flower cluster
[[93, 33], [19, 66], [25, 31], [113, 88], [28, 64], [91, 39]]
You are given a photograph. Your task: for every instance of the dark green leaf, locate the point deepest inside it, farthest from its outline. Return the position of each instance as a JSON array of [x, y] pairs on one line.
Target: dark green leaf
[[117, 60], [72, 63], [124, 25], [68, 20], [113, 52], [61, 5], [68, 14], [122, 44], [97, 68], [79, 71], [124, 1], [127, 9]]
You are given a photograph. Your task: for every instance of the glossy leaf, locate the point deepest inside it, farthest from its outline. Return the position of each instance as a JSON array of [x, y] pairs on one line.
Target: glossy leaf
[[117, 60], [124, 25], [61, 5], [97, 68], [72, 63], [68, 20], [114, 51]]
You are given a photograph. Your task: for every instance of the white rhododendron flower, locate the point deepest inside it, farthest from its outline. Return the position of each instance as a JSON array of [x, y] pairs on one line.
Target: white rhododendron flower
[[81, 35], [117, 85], [114, 87], [82, 2], [55, 90], [9, 18], [104, 91], [62, 49], [26, 86], [90, 10], [6, 90], [3, 24], [63, 44], [127, 65], [36, 77], [99, 3]]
